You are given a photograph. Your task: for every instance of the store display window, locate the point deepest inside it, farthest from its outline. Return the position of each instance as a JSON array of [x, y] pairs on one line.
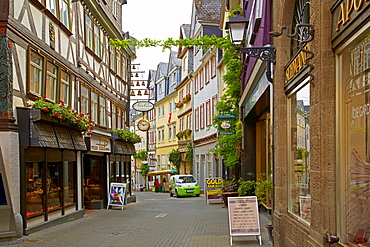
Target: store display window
[[53, 182], [353, 65], [299, 153]]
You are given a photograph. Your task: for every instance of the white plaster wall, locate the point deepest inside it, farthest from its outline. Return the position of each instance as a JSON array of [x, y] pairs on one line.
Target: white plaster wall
[[37, 18], [10, 151]]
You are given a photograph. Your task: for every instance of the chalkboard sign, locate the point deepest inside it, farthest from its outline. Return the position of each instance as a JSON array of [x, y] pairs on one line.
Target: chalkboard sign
[[244, 217], [117, 195]]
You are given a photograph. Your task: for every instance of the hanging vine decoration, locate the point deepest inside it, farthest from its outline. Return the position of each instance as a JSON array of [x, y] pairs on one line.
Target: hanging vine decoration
[[226, 145]]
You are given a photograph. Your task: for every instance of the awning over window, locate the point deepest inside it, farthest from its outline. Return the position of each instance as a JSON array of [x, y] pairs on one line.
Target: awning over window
[[52, 136], [122, 147]]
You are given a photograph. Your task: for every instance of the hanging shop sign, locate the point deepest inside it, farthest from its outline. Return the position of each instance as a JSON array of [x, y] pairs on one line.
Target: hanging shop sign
[[226, 125], [214, 189], [244, 217], [100, 144], [143, 106], [297, 64], [117, 195]]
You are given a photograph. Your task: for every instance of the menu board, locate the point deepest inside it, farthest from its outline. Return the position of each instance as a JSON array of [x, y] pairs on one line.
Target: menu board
[[117, 194], [214, 189], [244, 217]]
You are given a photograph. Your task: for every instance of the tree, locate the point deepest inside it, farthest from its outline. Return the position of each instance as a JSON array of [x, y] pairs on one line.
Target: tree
[[144, 170], [174, 158]]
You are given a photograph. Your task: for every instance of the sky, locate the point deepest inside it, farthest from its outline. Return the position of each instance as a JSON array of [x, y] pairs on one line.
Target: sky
[[157, 20]]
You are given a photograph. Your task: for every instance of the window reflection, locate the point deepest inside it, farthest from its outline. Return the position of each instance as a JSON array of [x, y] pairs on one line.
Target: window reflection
[[300, 199]]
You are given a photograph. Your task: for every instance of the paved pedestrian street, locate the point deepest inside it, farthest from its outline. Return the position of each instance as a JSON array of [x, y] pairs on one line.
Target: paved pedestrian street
[[156, 219]]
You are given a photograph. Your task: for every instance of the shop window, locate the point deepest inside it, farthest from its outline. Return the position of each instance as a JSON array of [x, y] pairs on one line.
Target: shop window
[[34, 188], [353, 65], [53, 185], [69, 182], [56, 183], [299, 153]]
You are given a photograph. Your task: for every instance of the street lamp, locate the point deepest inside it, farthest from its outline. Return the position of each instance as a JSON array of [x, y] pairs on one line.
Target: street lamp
[[237, 25]]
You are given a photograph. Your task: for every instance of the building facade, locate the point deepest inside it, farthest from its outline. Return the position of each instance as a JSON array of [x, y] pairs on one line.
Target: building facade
[[58, 51], [205, 21], [320, 123]]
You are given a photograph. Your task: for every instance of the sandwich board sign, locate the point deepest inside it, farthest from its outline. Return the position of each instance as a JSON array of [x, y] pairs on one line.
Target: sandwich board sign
[[117, 195], [244, 217], [214, 189]]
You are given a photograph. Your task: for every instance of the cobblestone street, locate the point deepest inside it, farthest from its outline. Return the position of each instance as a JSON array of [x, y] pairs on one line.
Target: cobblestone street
[[156, 219]]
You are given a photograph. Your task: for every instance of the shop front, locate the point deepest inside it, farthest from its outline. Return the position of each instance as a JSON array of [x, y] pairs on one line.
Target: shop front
[[95, 171], [50, 155], [120, 163], [257, 131], [351, 44]]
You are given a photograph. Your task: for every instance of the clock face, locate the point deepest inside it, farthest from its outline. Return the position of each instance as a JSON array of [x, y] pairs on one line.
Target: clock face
[[143, 125]]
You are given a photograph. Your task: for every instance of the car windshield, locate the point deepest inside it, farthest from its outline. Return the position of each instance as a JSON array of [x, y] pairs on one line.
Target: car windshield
[[185, 179]]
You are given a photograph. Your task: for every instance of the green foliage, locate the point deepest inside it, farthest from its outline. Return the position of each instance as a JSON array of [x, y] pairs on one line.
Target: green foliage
[[65, 113], [142, 155], [144, 170], [263, 190], [174, 158], [246, 188], [227, 147], [127, 135], [189, 153]]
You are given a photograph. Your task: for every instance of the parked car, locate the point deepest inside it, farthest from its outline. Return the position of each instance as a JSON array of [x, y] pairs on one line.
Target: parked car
[[184, 185]]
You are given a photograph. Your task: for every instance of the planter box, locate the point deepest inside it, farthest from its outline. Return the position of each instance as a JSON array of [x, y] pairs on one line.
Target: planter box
[[98, 204]]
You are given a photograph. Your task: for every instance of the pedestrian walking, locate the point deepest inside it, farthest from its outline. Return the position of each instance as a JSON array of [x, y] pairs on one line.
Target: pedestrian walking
[[156, 185]]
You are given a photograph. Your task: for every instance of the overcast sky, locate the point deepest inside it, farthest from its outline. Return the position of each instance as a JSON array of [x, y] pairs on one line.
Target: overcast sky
[[157, 20]]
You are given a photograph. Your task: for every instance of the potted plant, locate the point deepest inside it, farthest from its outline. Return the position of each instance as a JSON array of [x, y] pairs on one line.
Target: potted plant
[[187, 133], [230, 189], [179, 135], [263, 192], [246, 188]]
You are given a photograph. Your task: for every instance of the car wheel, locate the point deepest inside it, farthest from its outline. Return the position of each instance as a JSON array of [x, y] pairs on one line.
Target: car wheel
[[177, 194], [171, 195], [197, 195]]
